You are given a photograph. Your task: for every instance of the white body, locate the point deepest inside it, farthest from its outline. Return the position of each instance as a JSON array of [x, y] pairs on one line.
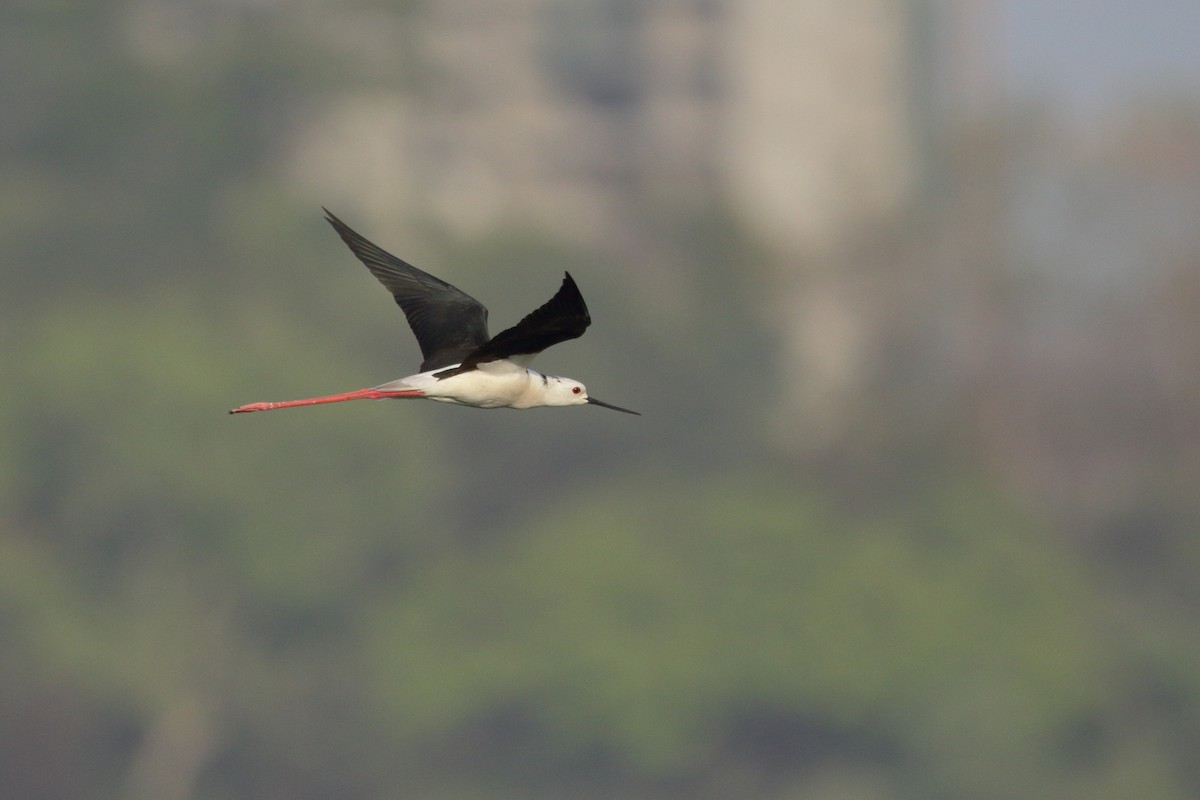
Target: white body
[[494, 384], [506, 383]]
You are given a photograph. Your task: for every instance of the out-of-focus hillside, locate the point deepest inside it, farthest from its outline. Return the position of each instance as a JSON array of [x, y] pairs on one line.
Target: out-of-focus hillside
[[911, 511]]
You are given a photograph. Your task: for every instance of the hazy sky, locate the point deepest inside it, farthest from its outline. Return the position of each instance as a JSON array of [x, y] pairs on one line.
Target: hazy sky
[[1092, 53]]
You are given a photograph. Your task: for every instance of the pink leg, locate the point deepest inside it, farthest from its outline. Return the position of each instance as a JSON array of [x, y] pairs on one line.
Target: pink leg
[[360, 394]]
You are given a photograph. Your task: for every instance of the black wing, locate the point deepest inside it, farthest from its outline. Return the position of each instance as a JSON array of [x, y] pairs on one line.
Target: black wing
[[564, 316], [449, 324]]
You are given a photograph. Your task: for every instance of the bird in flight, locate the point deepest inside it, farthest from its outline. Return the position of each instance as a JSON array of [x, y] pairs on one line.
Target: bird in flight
[[462, 364]]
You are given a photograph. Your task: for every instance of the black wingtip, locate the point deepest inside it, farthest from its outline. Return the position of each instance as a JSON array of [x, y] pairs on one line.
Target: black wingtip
[[353, 239], [572, 289]]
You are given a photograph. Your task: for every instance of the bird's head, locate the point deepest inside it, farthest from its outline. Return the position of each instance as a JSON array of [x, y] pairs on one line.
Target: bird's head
[[570, 392]]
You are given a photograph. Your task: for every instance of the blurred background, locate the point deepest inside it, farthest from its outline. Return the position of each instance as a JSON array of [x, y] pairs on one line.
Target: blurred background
[[907, 292]]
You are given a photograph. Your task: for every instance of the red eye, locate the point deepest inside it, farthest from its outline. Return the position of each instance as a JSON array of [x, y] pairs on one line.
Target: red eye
[[575, 390]]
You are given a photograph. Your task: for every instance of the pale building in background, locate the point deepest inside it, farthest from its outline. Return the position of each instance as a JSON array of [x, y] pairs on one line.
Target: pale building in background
[[798, 112], [576, 116]]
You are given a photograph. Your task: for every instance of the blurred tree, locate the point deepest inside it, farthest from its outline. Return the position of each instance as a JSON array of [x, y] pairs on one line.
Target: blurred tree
[[171, 571], [411, 600], [687, 633]]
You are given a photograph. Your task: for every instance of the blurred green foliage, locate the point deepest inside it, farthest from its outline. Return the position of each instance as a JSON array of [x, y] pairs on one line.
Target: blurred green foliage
[[410, 600]]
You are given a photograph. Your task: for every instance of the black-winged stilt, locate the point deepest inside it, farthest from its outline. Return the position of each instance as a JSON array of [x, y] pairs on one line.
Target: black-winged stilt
[[462, 364]]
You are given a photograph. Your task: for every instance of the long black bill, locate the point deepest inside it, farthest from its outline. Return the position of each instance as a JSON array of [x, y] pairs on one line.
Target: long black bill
[[593, 401]]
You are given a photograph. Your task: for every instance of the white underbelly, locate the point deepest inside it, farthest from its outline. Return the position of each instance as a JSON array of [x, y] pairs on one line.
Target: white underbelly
[[495, 384], [481, 388]]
